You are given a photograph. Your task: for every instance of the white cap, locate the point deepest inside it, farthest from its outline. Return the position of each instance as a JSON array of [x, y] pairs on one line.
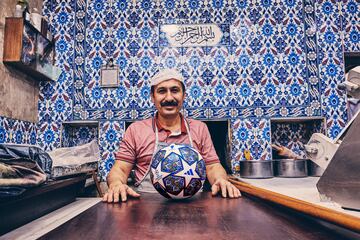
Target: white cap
[[166, 74]]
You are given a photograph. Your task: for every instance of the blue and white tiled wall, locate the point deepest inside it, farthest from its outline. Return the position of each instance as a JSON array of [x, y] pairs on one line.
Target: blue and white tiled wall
[[350, 18], [56, 98], [296, 134], [331, 65], [78, 135], [276, 59], [16, 131], [250, 134], [111, 134]]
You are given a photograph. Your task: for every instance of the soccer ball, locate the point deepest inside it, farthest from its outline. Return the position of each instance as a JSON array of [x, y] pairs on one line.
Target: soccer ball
[[178, 171]]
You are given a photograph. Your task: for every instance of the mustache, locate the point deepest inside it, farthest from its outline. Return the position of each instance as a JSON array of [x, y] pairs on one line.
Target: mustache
[[169, 103]]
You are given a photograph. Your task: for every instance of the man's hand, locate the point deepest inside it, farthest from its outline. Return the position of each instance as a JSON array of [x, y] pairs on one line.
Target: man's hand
[[119, 190], [226, 188], [118, 175], [219, 183]]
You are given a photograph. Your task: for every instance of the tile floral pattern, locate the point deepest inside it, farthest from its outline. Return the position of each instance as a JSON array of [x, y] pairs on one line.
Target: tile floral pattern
[[74, 136], [17, 131], [276, 59], [295, 135], [251, 134], [110, 137]]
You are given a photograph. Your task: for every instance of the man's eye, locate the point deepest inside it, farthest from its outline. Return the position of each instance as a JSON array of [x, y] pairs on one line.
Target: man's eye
[[175, 90], [161, 91]]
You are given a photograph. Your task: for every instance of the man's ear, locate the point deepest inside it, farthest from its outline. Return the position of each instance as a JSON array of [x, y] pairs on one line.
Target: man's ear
[[152, 97], [184, 95]]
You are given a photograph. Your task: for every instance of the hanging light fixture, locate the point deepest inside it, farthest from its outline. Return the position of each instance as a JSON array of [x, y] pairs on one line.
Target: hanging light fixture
[[110, 72]]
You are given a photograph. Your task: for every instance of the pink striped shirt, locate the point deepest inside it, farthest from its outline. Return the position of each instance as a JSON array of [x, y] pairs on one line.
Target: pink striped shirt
[[137, 145]]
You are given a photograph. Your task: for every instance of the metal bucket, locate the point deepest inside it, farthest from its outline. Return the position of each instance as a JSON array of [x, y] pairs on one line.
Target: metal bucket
[[290, 168], [256, 169], [314, 170]]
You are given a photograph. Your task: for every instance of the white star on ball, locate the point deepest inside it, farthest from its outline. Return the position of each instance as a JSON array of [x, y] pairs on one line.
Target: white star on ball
[[173, 148], [159, 175], [188, 172]]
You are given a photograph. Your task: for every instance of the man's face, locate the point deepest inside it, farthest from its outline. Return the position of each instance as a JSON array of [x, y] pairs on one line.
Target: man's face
[[168, 97]]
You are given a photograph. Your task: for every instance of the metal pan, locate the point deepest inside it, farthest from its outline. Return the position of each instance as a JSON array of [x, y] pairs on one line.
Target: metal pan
[[314, 170], [290, 168], [256, 169]]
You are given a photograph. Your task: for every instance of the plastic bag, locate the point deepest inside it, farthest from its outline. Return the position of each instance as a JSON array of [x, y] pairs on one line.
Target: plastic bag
[[15, 151], [74, 160]]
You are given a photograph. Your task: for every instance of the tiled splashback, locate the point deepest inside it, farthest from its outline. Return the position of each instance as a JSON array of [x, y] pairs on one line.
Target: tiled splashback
[[294, 135], [251, 134], [17, 131], [276, 59], [78, 135]]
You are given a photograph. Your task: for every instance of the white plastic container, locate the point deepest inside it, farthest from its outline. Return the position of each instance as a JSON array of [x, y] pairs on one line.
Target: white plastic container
[[18, 11], [36, 17]]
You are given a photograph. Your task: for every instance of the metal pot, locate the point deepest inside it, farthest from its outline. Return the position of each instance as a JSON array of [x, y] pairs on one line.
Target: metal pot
[[290, 168], [314, 170], [256, 169]]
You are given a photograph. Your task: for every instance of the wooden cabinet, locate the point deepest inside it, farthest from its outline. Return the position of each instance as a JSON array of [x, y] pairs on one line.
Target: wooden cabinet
[[28, 50]]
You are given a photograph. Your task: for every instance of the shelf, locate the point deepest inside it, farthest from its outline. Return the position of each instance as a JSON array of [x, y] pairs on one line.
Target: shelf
[[28, 50], [296, 119], [81, 123], [27, 23], [30, 71], [38, 201]]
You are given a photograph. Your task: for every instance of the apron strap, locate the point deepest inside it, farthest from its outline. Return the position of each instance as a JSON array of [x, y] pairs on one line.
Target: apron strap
[[152, 157], [188, 132]]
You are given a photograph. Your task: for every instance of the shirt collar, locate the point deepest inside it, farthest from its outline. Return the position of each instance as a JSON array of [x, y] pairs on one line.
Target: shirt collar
[[183, 127]]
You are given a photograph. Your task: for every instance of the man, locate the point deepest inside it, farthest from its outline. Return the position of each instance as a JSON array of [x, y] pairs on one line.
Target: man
[[143, 138]]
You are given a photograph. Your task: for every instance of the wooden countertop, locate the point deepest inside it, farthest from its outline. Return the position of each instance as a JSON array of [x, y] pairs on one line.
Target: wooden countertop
[[201, 217], [300, 188], [300, 195]]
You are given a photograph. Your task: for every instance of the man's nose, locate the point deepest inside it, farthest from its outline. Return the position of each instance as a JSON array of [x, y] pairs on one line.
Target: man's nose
[[169, 95]]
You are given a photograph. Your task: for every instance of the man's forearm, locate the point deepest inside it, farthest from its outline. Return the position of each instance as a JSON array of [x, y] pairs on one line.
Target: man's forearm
[[116, 176], [214, 172], [117, 182]]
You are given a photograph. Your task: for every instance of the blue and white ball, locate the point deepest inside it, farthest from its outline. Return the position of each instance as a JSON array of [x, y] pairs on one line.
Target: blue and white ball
[[178, 171]]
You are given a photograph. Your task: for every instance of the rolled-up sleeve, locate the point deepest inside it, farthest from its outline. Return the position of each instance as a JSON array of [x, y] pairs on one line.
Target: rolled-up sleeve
[[126, 150], [207, 147]]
